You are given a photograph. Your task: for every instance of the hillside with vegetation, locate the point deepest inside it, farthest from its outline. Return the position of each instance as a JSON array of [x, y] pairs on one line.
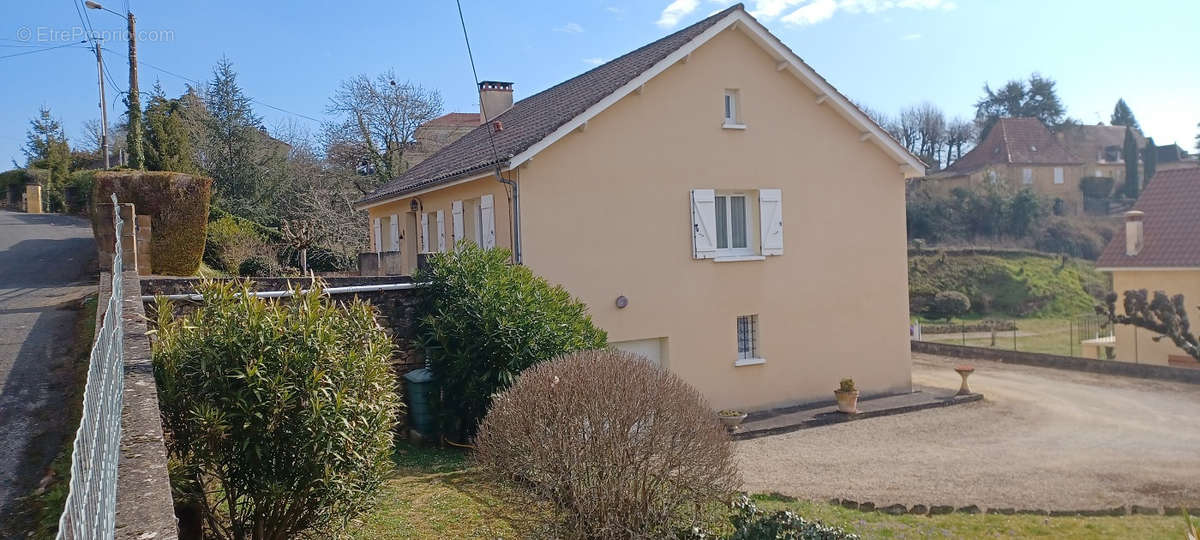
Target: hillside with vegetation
[[1002, 283]]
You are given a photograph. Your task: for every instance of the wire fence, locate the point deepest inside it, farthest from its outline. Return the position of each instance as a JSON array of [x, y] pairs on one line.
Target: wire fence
[[90, 509], [1086, 337]]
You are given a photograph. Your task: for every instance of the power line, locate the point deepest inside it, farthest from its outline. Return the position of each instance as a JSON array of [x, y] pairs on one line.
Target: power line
[[482, 107], [23, 53], [196, 82]]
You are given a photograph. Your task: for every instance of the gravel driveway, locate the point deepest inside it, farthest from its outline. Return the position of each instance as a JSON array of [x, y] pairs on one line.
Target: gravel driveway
[[1042, 439]]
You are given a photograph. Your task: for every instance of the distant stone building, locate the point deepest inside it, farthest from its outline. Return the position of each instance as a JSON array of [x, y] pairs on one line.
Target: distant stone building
[[439, 132]]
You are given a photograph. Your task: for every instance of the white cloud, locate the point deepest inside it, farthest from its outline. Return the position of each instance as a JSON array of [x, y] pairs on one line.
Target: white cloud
[[815, 11], [593, 61], [812, 12], [570, 28], [910, 37], [615, 10], [676, 10]]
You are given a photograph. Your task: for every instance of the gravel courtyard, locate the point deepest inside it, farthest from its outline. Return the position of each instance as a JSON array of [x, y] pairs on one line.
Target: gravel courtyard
[[1040, 439]]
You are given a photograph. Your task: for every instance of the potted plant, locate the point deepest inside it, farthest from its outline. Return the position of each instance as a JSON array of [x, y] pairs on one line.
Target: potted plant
[[847, 396], [731, 418]]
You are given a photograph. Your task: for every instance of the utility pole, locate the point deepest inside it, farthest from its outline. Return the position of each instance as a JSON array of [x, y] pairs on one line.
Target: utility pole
[[136, 158], [103, 106]]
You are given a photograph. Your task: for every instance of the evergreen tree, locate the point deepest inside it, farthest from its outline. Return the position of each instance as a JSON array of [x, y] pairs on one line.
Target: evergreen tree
[[1037, 98], [167, 143], [46, 146], [1123, 116], [1130, 154], [1149, 160], [235, 150]]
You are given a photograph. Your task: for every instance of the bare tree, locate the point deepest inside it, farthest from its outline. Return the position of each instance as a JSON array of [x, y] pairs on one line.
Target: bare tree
[[909, 129], [931, 128], [959, 133], [1166, 316], [318, 210], [377, 118]]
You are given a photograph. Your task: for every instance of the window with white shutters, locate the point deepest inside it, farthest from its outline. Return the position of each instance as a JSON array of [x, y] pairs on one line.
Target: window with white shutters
[[441, 231], [1026, 176], [728, 225], [394, 233], [487, 221], [456, 216], [424, 232], [1058, 175]]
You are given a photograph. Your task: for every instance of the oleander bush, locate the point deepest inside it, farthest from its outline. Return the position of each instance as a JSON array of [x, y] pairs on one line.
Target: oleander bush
[[178, 207], [618, 447], [482, 321], [279, 412]]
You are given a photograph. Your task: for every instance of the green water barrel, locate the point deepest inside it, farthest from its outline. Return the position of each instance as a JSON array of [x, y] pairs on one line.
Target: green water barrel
[[420, 389]]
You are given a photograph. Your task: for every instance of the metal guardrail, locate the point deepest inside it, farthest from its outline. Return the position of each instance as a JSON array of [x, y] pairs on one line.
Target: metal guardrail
[[90, 509]]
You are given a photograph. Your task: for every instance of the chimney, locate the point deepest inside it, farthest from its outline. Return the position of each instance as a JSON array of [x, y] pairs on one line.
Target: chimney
[[495, 97], [1133, 232]]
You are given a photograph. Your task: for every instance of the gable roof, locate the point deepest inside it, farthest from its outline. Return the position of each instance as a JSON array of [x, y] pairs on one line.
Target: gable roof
[[537, 121], [1016, 141], [1170, 228]]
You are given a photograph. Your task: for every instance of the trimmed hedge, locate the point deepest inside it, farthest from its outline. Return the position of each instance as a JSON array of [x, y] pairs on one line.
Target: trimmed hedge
[[178, 207], [981, 326]]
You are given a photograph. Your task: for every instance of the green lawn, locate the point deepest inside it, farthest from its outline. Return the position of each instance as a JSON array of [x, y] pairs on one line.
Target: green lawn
[[434, 494]]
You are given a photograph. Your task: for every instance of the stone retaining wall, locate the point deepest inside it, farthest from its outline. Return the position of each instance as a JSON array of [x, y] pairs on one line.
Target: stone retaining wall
[[1107, 367], [144, 505], [934, 510], [397, 308]]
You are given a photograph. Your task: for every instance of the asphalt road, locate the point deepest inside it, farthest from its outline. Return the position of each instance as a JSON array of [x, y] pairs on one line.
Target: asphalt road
[[1041, 439], [47, 265]]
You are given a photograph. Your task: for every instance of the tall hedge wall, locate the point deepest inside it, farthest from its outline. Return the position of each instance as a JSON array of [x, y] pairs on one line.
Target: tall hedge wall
[[178, 207]]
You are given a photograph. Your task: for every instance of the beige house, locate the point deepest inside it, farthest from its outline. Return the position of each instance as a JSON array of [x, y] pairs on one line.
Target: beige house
[[1159, 250], [1024, 154], [439, 132], [1100, 148], [655, 187]]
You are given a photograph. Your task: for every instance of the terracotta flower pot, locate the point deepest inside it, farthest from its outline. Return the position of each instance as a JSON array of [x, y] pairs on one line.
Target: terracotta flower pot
[[847, 402]]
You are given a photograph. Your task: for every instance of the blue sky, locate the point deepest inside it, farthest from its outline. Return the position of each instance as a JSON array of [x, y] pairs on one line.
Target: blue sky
[[883, 53]]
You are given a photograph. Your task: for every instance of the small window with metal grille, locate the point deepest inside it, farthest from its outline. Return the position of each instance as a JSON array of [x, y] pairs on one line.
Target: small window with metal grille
[[747, 336]]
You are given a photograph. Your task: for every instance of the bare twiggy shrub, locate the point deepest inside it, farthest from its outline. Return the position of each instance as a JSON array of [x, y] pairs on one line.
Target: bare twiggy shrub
[[621, 448]]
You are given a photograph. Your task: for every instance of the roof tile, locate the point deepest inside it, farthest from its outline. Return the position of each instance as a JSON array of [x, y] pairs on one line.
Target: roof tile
[[1170, 228]]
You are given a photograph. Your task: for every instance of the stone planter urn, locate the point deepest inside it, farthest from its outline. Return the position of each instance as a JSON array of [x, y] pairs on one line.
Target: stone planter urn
[[731, 419], [847, 397], [964, 371]]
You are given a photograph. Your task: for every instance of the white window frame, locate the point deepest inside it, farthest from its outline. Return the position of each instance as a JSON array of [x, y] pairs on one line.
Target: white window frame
[[729, 252], [751, 356], [1058, 176], [732, 109], [1027, 176]]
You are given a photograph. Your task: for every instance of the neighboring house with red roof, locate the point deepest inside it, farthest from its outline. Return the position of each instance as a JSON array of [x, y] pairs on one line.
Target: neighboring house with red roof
[[1158, 250], [655, 188], [439, 132], [1024, 154]]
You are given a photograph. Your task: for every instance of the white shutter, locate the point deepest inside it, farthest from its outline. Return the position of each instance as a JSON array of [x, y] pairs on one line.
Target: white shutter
[[424, 232], [704, 219], [770, 216], [487, 215], [456, 215], [441, 230], [395, 238], [377, 241]]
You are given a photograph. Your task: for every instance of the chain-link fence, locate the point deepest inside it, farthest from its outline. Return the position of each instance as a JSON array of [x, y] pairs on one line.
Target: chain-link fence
[[90, 508], [1087, 337]]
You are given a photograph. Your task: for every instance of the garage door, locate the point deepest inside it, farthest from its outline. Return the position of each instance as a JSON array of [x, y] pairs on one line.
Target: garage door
[[653, 349]]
